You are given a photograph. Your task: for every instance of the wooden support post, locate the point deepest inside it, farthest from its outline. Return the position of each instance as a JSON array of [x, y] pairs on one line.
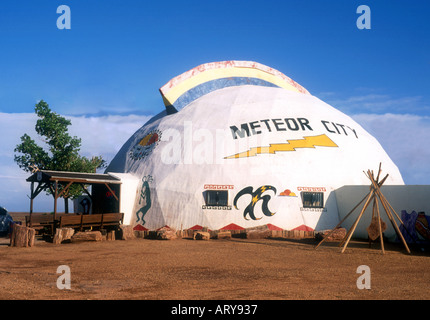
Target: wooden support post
[[349, 235], [65, 189], [31, 201], [55, 199]]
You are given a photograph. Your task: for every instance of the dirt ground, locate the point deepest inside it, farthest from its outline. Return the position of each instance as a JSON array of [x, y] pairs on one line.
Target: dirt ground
[[234, 269]]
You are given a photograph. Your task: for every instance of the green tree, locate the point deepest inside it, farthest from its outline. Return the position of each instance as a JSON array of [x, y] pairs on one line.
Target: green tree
[[61, 152]]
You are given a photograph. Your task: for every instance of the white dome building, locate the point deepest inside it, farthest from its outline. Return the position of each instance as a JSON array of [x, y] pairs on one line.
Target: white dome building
[[241, 145]]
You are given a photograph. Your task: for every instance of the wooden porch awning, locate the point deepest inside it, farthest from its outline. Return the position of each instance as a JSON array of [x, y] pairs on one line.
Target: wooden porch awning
[[64, 176], [47, 179]]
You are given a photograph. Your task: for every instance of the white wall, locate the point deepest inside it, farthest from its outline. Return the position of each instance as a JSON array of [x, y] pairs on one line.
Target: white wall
[[129, 184], [401, 197]]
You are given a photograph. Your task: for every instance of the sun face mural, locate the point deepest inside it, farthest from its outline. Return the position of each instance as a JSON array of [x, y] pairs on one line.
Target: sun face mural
[[145, 145]]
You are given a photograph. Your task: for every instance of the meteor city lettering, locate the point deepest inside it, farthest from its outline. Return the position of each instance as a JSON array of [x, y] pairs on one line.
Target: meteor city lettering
[[334, 128], [255, 127], [286, 124]]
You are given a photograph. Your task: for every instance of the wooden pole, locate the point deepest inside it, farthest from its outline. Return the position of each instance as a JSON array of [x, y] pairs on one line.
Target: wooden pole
[[375, 212], [379, 172], [406, 229], [31, 200], [393, 222], [111, 191], [328, 234], [371, 194], [65, 189], [394, 211], [374, 194], [380, 227], [55, 205], [374, 207], [373, 215], [351, 229]]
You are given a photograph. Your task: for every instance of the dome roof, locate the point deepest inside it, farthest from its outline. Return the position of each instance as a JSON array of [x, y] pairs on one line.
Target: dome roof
[[208, 77], [247, 154]]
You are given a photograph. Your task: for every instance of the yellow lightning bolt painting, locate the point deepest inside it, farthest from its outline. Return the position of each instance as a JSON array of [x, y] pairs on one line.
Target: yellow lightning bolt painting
[[308, 142]]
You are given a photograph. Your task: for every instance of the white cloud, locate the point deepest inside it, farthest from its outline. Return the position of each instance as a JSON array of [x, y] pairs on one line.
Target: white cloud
[[399, 123], [12, 127], [377, 103], [406, 139], [101, 136], [105, 135]]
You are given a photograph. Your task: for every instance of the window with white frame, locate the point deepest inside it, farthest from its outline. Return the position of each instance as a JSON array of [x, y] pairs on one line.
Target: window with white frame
[[312, 199]]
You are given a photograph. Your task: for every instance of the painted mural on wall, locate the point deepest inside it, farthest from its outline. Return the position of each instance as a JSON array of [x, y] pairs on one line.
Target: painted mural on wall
[[291, 145], [417, 226], [287, 193], [256, 196], [145, 145], [144, 200]]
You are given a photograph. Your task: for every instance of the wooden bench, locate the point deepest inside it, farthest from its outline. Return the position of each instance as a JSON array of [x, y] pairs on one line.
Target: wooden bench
[[39, 222], [93, 220]]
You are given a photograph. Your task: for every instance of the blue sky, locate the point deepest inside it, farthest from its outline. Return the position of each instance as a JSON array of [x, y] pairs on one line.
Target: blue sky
[[117, 54]]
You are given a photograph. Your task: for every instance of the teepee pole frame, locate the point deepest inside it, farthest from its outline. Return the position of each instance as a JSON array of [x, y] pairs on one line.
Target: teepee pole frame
[[374, 194]]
